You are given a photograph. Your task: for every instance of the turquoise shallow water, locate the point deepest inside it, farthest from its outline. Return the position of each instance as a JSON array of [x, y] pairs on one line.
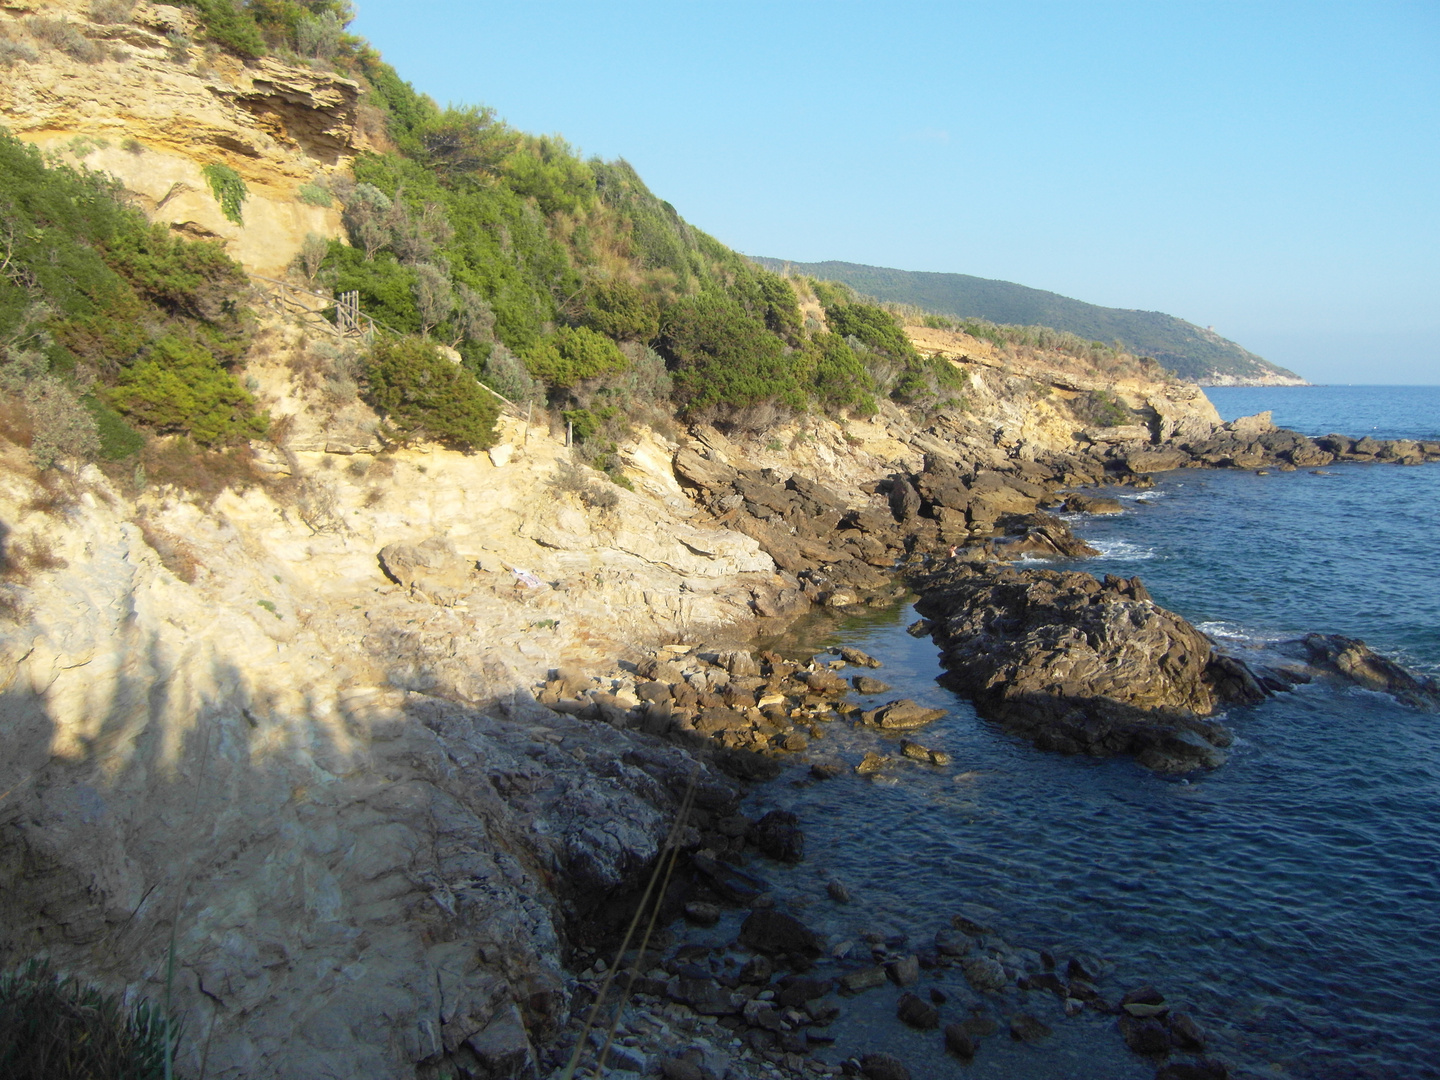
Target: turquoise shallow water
[[1292, 897]]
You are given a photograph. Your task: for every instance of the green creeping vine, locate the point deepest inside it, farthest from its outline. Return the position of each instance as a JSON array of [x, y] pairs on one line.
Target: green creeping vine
[[229, 190]]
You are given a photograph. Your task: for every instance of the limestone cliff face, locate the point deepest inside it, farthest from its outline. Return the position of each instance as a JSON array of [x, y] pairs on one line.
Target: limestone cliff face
[[155, 109], [231, 719], [1032, 399]]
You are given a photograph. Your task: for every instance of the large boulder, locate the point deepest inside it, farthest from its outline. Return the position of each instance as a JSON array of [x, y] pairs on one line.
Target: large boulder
[[1076, 664], [431, 567], [703, 473]]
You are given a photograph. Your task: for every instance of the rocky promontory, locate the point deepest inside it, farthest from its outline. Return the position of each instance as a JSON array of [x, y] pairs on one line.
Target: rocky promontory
[[1082, 666]]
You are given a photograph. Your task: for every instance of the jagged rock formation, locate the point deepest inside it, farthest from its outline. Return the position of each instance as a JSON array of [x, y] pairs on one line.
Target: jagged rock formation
[[164, 108], [1080, 665]]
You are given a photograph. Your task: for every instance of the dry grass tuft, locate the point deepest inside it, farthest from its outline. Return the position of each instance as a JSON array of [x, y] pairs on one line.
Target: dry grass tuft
[[175, 555], [24, 558], [201, 472], [55, 496]]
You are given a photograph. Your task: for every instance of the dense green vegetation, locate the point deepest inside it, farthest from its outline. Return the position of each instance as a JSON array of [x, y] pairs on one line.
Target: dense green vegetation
[[107, 322], [56, 1028], [538, 266], [1190, 351], [561, 281], [422, 395]]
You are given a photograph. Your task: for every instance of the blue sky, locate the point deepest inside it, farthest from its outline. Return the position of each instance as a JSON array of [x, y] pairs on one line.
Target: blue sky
[[1272, 169]]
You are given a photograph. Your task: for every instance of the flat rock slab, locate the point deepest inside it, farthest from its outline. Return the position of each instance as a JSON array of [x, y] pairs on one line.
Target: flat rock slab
[[901, 715]]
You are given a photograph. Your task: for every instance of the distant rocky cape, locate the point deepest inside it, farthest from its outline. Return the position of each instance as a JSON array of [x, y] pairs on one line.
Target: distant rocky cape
[[1192, 352]]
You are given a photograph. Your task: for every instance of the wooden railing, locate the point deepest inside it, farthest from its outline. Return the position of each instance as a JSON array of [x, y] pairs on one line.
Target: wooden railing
[[288, 299], [297, 303]]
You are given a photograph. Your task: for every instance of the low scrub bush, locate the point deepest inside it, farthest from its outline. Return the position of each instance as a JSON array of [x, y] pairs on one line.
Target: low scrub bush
[[178, 462], [65, 36], [506, 374], [175, 554], [229, 25], [112, 12], [52, 1026], [178, 388], [723, 358], [314, 195], [575, 480], [836, 377], [15, 52], [425, 396], [572, 355], [621, 311], [1101, 409]]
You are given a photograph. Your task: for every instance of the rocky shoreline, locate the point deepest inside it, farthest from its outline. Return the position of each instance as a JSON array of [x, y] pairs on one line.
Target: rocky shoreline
[[383, 854], [1069, 662], [757, 994]]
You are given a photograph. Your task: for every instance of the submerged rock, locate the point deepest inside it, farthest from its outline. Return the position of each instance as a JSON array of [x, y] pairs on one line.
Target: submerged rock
[[779, 836], [916, 1013], [883, 1067], [1027, 1028], [959, 1041], [775, 933], [1352, 659]]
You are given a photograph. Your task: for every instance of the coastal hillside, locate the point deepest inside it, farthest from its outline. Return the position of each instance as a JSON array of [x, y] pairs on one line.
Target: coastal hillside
[[390, 501], [1192, 352]]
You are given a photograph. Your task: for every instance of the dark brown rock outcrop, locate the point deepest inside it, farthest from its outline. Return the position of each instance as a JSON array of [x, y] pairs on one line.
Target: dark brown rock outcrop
[[1079, 665]]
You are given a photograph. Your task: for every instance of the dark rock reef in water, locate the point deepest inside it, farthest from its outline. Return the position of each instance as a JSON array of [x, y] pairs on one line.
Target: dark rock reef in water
[[1082, 666], [1353, 660]]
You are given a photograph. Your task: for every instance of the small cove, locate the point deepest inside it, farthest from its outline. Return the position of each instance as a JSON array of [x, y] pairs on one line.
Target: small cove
[[1290, 898]]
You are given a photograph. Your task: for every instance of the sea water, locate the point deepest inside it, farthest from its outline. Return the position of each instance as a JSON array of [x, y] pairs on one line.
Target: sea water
[[1290, 899]]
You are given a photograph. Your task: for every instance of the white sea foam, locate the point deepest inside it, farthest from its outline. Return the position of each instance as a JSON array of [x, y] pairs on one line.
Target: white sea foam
[[1229, 631], [1239, 634], [1140, 496], [1121, 549]]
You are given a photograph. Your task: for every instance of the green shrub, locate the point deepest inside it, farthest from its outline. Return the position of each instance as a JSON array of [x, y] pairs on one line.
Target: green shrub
[[180, 389], [229, 190], [314, 195], [229, 25], [836, 377], [186, 279], [118, 440], [97, 292], [319, 36], [874, 326], [1102, 409], [928, 382], [53, 1027], [571, 355], [619, 310], [584, 424], [721, 355], [426, 397], [387, 289], [547, 170]]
